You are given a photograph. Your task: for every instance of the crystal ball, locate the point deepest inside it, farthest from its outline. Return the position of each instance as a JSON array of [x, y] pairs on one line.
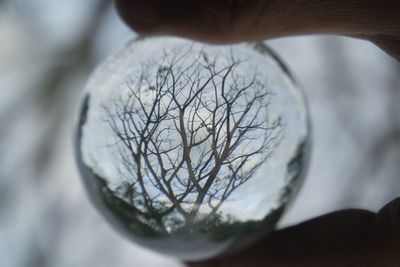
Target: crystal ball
[[189, 149]]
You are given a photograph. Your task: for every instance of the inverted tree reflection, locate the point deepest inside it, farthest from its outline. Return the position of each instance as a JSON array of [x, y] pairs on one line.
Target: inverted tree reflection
[[189, 131]]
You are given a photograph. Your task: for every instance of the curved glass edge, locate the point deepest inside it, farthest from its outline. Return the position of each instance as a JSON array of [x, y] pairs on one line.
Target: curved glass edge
[[304, 151], [301, 159]]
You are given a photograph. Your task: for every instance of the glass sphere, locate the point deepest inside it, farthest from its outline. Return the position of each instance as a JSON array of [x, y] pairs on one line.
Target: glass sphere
[[189, 149]]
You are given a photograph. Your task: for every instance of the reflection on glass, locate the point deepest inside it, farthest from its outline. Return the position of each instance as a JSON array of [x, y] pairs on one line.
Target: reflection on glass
[[192, 149]]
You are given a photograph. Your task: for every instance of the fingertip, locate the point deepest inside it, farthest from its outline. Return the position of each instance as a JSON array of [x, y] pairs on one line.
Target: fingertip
[[142, 16], [387, 222], [204, 20]]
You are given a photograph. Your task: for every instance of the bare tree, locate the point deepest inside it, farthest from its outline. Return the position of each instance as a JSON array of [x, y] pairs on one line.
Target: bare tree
[[189, 132]]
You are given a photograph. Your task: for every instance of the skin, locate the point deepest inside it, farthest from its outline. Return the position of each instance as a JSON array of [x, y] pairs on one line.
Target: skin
[[228, 21], [342, 238]]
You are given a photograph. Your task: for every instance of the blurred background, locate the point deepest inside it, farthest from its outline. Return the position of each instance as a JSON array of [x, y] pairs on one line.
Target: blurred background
[[47, 50]]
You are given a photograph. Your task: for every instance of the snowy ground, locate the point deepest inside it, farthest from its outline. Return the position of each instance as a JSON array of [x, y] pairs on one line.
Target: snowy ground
[[46, 54]]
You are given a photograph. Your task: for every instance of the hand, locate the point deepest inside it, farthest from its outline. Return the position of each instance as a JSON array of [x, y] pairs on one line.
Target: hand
[[224, 21], [343, 238]]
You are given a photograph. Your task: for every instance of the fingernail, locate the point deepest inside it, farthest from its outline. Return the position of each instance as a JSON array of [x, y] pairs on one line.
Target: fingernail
[[140, 13]]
